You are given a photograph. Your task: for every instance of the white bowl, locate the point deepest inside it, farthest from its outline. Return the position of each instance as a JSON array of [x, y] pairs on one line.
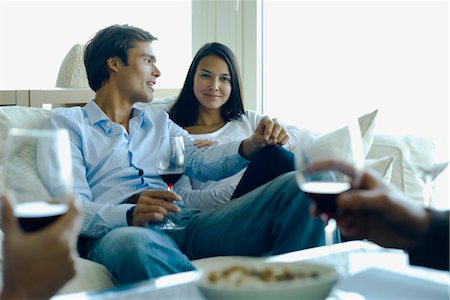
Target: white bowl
[[252, 287]]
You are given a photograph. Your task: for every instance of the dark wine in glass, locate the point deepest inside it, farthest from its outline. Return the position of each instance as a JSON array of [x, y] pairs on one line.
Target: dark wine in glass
[[170, 178], [34, 216], [170, 167], [324, 194]]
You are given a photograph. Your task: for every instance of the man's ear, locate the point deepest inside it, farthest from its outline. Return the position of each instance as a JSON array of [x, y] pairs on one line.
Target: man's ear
[[113, 63]]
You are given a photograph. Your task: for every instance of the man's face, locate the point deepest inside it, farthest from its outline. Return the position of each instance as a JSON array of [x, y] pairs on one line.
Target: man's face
[[136, 80]]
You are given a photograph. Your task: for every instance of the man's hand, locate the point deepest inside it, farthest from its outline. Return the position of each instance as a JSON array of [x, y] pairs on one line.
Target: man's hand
[[268, 132], [37, 264], [152, 206]]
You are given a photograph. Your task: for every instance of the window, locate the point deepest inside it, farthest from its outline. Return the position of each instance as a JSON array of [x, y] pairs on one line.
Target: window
[[330, 61], [36, 36]]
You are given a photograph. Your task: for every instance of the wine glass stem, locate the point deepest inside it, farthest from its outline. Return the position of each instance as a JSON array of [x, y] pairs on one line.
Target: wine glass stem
[[331, 232], [169, 222], [427, 191]]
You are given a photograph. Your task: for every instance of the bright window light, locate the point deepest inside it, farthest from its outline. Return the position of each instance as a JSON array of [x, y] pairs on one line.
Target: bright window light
[[326, 62], [36, 36]]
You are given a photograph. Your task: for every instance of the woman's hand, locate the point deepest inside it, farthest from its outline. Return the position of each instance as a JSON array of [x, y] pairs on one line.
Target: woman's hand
[[268, 132], [200, 143]]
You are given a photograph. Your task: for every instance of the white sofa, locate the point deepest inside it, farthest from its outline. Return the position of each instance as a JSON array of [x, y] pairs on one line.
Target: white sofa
[[383, 153]]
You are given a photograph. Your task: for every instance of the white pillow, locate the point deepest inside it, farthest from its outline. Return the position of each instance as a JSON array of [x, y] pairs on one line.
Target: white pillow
[[158, 103], [367, 124], [382, 166], [334, 145], [21, 117]]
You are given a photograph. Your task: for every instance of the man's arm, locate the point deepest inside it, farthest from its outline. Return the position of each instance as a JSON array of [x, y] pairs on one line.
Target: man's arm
[[384, 215], [433, 250]]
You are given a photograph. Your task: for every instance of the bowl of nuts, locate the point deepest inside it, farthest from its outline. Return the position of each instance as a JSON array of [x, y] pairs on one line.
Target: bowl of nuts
[[255, 278]]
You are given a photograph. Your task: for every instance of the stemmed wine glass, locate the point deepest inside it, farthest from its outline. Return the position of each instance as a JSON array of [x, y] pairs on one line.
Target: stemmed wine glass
[[170, 167], [37, 175], [425, 167], [323, 187]]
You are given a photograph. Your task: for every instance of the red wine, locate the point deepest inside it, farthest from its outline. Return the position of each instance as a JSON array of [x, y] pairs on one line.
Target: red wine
[[36, 215], [324, 194], [170, 178]]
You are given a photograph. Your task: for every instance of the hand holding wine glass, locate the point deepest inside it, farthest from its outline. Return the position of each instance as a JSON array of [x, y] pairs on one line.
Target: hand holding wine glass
[[37, 175], [323, 186], [170, 167]]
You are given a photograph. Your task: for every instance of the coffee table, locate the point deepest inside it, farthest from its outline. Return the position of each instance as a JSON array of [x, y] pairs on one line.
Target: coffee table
[[368, 272]]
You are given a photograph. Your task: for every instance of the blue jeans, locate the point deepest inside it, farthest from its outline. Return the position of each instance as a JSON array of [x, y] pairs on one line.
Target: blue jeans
[[273, 218]]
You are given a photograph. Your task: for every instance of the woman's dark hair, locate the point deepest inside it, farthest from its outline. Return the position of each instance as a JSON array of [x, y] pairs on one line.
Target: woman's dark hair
[[112, 41], [186, 109]]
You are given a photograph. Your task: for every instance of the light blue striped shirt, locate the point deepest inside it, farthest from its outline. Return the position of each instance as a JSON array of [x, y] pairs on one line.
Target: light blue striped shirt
[[108, 161]]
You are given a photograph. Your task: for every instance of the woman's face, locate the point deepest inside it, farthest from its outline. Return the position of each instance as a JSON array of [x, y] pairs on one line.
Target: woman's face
[[212, 82]]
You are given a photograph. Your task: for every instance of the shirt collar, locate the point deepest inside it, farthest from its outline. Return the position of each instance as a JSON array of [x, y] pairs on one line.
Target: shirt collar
[[94, 113], [97, 116], [137, 112]]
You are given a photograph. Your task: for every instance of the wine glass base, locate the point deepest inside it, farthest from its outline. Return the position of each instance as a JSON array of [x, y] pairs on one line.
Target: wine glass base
[[171, 227]]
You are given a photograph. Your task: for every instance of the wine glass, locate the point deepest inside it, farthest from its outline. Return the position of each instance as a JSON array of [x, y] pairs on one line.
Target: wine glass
[[170, 167], [37, 175], [323, 187], [420, 156]]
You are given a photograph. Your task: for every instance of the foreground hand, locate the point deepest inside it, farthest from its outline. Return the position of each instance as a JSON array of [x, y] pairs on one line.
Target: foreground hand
[[204, 143], [38, 264], [153, 206], [376, 211]]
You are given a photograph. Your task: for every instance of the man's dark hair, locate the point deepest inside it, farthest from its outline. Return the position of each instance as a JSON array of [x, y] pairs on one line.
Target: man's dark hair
[[112, 41]]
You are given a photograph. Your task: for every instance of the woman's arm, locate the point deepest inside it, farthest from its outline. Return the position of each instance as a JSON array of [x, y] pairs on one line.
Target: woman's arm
[[212, 197], [297, 136]]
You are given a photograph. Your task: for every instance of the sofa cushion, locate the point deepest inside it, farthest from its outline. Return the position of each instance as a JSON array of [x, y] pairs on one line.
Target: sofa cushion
[[344, 144], [367, 125], [89, 276], [31, 117], [382, 166], [403, 175]]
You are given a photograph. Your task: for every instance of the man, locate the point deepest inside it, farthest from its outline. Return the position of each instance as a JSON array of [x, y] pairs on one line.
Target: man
[[384, 215], [114, 150], [38, 264]]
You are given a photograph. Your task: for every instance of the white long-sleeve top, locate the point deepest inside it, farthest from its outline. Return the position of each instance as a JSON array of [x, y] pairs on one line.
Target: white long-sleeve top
[[210, 194]]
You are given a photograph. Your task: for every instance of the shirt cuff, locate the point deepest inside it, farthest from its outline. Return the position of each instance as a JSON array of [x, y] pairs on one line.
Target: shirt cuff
[[118, 215]]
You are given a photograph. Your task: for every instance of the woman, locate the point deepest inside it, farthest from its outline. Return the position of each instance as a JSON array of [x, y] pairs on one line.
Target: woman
[[210, 107]]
